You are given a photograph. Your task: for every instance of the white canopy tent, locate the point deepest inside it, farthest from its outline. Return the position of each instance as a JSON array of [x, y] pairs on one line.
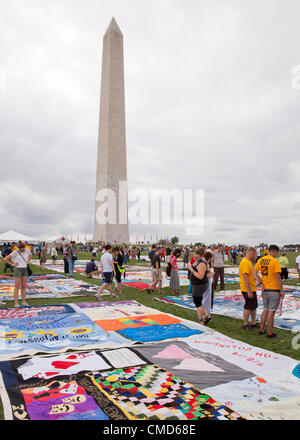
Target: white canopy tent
[[14, 237], [60, 240]]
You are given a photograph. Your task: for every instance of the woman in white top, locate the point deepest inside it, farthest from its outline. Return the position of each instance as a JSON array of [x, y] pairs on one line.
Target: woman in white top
[[54, 254], [19, 259]]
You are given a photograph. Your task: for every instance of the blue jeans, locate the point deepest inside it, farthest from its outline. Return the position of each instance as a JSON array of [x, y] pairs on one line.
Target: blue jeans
[[71, 266]]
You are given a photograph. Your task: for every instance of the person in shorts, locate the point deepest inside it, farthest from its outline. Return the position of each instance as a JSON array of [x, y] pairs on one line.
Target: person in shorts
[[272, 289], [199, 275], [54, 254], [119, 268], [19, 259], [156, 272], [248, 288], [107, 271]]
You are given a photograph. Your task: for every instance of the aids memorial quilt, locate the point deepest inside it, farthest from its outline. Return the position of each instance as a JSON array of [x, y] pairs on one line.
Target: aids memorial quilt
[[272, 390], [52, 329], [231, 303], [48, 286], [116, 384]]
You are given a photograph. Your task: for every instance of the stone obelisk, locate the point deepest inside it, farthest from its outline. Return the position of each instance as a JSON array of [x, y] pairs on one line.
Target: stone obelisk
[[112, 160]]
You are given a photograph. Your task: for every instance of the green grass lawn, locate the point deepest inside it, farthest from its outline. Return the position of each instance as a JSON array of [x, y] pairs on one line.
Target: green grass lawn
[[228, 326]]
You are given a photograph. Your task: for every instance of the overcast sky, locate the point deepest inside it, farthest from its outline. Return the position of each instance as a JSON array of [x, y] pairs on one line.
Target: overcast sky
[[209, 102]]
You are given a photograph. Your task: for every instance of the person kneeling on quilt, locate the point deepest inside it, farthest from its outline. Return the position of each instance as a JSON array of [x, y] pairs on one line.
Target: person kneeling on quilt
[[91, 269]]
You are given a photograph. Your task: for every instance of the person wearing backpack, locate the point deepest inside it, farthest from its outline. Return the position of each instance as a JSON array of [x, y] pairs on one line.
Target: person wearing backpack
[[20, 259], [199, 275]]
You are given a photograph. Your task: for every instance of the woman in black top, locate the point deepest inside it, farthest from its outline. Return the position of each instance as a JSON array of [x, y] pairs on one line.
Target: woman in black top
[[199, 274], [119, 268]]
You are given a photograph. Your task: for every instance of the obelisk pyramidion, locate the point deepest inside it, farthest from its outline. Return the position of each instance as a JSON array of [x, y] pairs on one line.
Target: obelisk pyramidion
[[112, 160]]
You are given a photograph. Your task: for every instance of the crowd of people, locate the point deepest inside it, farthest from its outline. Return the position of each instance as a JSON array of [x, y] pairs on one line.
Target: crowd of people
[[258, 267]]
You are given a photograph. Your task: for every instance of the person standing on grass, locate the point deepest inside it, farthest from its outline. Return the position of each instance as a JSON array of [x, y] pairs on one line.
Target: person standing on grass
[[186, 256], [284, 264], [174, 277], [226, 256], [43, 256], [168, 254], [156, 272], [133, 255], [234, 255], [66, 263], [71, 254], [107, 271], [95, 250], [39, 250], [126, 255], [206, 299], [298, 265], [7, 252], [54, 254], [119, 268], [218, 265], [152, 253], [20, 259], [248, 288], [199, 275], [272, 289], [138, 252]]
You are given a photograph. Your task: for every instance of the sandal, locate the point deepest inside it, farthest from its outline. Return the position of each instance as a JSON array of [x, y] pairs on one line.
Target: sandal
[[262, 333]]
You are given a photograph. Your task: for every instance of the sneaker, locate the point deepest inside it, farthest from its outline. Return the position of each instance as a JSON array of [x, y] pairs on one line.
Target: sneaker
[[17, 306], [207, 320], [273, 335], [2, 303], [24, 304]]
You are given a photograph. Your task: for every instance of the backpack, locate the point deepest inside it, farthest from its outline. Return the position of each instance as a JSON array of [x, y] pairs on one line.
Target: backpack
[[3, 252], [169, 268]]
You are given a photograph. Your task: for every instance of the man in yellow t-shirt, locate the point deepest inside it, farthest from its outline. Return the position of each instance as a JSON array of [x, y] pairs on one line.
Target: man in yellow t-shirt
[[248, 288], [272, 289]]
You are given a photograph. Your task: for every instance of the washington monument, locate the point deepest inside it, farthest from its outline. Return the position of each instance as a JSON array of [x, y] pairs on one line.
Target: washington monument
[[112, 160]]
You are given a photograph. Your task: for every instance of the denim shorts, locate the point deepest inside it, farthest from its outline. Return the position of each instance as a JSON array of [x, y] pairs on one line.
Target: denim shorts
[[271, 299]]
